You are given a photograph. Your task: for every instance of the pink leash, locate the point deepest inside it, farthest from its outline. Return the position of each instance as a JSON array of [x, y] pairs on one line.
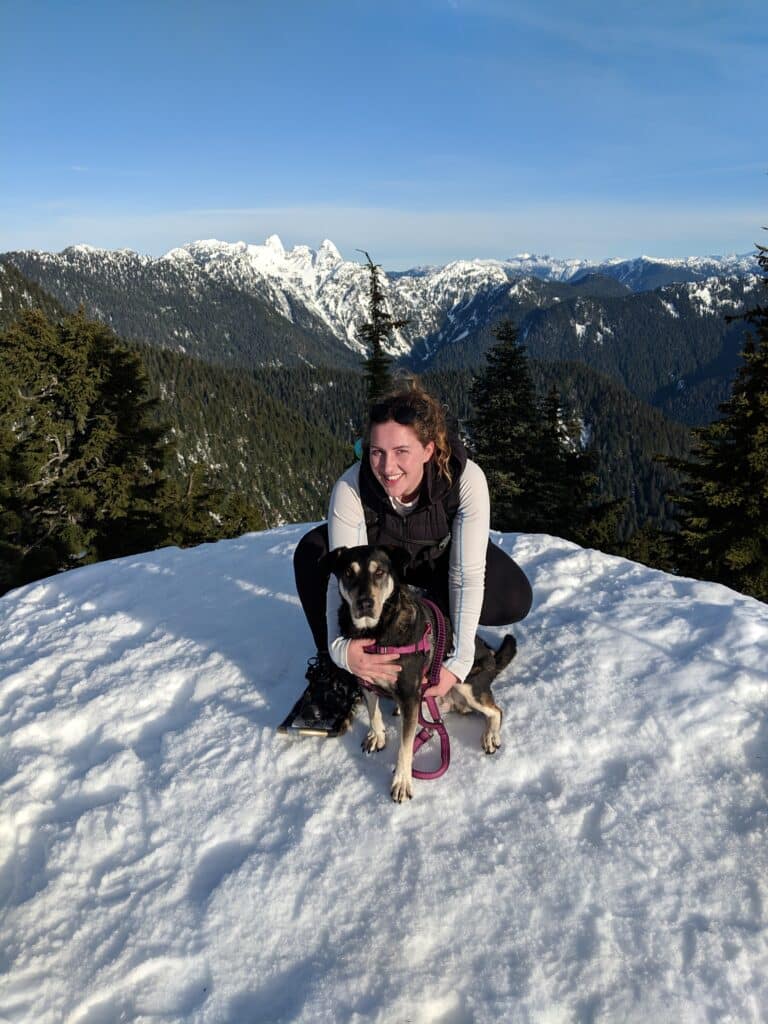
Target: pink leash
[[434, 723]]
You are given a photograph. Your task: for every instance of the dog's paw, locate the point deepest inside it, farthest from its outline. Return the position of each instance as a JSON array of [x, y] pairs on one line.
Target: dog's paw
[[491, 741], [402, 788], [374, 741]]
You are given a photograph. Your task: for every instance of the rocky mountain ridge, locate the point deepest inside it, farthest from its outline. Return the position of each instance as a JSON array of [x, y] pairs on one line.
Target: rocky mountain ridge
[[321, 292]]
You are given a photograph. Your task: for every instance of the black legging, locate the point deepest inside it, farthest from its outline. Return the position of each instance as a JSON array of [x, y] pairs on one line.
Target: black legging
[[507, 595]]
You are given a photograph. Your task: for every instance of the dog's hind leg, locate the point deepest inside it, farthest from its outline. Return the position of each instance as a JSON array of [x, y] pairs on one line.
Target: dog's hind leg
[[376, 738], [402, 784], [481, 699]]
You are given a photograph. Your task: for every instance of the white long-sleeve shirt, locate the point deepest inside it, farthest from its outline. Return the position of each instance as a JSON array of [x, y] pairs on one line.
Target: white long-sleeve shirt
[[466, 572]]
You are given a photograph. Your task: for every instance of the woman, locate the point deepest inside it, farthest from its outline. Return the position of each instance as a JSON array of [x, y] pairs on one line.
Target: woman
[[414, 488]]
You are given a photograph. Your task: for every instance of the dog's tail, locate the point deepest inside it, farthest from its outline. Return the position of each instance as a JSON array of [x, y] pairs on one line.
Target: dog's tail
[[488, 663], [506, 652]]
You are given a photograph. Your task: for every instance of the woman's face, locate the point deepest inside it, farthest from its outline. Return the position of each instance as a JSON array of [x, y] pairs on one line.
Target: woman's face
[[398, 458]]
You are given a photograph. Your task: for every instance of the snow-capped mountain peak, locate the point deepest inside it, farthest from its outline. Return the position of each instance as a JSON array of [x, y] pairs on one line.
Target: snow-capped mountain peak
[[329, 250], [275, 244], [318, 289]]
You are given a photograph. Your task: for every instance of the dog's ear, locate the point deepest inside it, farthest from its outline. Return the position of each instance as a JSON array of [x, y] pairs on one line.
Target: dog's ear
[[330, 560], [399, 558]]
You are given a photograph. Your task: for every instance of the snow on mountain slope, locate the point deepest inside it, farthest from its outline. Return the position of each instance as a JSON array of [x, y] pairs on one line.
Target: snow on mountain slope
[[165, 855], [717, 296], [335, 290], [319, 289], [646, 273], [294, 282]]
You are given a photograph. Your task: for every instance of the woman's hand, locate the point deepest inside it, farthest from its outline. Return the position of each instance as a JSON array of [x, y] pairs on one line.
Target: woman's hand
[[445, 682], [372, 668]]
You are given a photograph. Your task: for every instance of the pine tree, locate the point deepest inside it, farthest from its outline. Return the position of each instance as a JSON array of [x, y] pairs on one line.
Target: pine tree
[[723, 510], [504, 427], [540, 476], [569, 505], [375, 332], [195, 512], [83, 458], [80, 459]]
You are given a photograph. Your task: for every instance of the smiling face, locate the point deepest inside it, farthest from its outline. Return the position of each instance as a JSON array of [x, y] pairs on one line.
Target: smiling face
[[398, 458]]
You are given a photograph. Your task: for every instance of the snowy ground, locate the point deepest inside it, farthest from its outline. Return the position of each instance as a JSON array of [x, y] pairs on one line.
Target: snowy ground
[[166, 856]]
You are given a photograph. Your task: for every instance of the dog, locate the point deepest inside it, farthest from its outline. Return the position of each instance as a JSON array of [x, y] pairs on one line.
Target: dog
[[378, 607]]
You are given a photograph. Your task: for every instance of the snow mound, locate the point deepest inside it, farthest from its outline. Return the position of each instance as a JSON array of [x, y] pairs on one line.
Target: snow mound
[[166, 855]]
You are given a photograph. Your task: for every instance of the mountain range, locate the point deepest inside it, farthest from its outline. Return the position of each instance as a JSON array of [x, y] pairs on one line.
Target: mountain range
[[639, 349], [656, 325]]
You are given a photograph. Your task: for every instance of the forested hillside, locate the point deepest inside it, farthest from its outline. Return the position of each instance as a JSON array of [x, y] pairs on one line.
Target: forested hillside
[[18, 293], [672, 348], [280, 435], [248, 439], [627, 433], [172, 304], [255, 306], [277, 436]]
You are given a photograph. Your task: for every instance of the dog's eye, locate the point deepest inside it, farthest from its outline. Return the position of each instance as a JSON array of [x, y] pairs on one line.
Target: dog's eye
[[349, 572]]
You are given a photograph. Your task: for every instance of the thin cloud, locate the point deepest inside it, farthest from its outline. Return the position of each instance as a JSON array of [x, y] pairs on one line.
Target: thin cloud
[[704, 29]]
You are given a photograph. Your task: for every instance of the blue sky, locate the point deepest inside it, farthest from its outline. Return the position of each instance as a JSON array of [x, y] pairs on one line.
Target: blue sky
[[422, 131]]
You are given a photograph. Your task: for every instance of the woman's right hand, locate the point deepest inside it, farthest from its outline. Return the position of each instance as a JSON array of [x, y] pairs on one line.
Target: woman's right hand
[[372, 668]]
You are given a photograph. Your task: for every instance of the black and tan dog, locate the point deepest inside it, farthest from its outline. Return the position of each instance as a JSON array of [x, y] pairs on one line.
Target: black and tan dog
[[378, 607]]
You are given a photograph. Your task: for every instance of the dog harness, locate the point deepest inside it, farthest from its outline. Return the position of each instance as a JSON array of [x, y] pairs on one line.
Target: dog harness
[[434, 723]]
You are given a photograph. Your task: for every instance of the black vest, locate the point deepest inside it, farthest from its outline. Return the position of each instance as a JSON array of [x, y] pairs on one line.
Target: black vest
[[424, 531]]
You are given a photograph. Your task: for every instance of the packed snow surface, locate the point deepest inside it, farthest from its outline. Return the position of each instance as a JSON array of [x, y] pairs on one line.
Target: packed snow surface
[[168, 856]]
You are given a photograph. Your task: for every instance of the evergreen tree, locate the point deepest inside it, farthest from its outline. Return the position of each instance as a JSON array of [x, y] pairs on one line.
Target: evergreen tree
[[540, 476], [504, 429], [194, 512], [569, 505], [80, 459], [558, 465], [83, 459], [723, 510], [651, 546], [375, 332]]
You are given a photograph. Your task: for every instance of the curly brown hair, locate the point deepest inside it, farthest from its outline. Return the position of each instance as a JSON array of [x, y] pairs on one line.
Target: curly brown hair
[[410, 405]]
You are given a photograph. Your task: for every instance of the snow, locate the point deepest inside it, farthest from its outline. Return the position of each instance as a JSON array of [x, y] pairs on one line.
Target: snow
[[84, 249], [274, 242], [318, 289], [714, 295], [703, 295], [167, 856]]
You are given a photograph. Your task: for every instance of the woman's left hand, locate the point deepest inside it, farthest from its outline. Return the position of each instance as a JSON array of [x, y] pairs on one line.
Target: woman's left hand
[[445, 682]]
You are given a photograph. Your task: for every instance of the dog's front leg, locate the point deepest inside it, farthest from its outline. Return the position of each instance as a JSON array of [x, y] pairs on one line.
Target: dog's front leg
[[376, 738], [402, 784]]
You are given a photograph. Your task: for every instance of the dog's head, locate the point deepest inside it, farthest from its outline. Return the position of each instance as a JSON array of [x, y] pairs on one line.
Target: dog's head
[[368, 577]]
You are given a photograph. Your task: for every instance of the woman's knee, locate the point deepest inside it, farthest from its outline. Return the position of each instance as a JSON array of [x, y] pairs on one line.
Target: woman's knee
[[508, 593], [311, 548]]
